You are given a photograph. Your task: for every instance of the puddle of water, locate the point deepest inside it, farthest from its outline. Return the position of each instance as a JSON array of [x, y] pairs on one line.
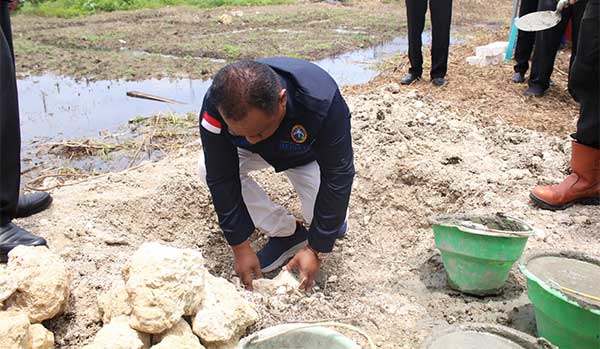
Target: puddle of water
[[357, 67], [347, 31], [55, 108]]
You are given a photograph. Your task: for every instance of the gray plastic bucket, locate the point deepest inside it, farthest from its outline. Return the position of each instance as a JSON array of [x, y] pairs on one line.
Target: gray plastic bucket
[[486, 336], [298, 336]]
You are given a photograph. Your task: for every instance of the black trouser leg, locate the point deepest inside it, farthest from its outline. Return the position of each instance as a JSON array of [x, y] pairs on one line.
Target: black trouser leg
[[547, 43], [10, 137], [584, 78], [576, 16], [415, 14], [441, 18], [525, 40]]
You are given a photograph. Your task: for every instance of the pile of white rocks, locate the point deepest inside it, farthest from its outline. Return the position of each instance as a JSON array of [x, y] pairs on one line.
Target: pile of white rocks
[[34, 286], [162, 286]]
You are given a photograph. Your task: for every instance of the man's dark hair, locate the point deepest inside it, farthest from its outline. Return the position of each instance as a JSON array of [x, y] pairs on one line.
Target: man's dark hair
[[244, 84]]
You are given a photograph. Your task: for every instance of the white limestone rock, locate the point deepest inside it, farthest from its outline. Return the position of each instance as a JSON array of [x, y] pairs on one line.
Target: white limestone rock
[[14, 330], [42, 282], [224, 315], [119, 335], [225, 19], [163, 284], [284, 283], [8, 284], [179, 336], [114, 303], [41, 338]]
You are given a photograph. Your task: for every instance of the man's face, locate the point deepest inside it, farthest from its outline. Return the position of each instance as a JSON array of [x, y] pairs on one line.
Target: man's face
[[258, 125]]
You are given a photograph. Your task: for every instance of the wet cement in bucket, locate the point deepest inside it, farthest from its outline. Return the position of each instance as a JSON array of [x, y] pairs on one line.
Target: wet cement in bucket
[[569, 273], [473, 340], [497, 222]]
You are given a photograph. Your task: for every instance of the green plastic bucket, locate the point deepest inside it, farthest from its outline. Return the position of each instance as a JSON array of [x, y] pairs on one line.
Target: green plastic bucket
[[479, 251], [299, 336], [484, 336], [567, 319]]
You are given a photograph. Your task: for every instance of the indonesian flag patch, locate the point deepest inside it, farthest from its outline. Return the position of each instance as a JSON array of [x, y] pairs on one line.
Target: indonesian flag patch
[[210, 123]]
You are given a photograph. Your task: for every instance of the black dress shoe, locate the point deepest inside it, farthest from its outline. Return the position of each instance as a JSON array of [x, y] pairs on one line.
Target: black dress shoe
[[534, 91], [518, 78], [12, 236], [32, 203], [409, 79], [439, 82]]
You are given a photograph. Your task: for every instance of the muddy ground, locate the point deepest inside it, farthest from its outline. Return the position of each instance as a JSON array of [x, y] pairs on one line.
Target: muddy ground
[[475, 145], [188, 42]]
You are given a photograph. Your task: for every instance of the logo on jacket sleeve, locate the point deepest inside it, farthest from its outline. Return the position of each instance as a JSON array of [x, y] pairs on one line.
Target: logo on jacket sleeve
[[299, 134], [210, 123]]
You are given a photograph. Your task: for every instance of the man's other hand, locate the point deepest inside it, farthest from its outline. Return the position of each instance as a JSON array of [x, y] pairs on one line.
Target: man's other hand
[[247, 266], [308, 264]]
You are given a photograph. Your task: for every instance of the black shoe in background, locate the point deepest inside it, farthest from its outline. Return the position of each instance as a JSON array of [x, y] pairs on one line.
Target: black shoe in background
[[12, 236], [518, 78], [30, 204], [534, 91], [409, 79], [439, 82]]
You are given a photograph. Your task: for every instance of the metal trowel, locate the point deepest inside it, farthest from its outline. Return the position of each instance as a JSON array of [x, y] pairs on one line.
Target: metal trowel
[[541, 20]]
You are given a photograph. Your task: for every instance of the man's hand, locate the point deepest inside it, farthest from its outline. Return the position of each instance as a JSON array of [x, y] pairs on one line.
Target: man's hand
[[247, 266], [13, 5], [308, 264], [562, 4]]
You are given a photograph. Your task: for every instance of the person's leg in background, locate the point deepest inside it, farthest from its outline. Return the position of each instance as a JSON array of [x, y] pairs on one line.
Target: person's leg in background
[[584, 78], [577, 12], [10, 137], [415, 15], [547, 43], [10, 146], [583, 185], [441, 19], [525, 42]]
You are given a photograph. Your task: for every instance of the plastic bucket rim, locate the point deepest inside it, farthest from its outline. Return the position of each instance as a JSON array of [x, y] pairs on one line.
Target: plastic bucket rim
[[436, 220], [518, 337], [557, 293], [346, 341]]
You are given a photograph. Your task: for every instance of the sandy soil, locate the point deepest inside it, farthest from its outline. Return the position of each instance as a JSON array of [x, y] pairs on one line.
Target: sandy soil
[[415, 157]]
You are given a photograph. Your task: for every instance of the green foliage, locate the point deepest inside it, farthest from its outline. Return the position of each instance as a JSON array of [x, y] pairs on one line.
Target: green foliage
[[232, 51], [74, 8]]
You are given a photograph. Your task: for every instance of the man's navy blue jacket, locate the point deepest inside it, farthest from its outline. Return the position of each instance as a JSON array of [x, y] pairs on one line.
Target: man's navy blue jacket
[[316, 127]]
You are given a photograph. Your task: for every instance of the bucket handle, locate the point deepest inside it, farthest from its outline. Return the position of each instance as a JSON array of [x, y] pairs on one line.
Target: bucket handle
[[255, 339]]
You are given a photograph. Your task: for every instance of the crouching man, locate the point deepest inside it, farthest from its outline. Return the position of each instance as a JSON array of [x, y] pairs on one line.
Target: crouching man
[[287, 114]]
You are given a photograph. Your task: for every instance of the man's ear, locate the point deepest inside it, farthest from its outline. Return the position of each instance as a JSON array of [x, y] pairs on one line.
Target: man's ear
[[282, 97]]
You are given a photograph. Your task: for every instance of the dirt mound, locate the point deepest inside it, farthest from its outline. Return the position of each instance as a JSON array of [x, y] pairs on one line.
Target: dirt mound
[[414, 158]]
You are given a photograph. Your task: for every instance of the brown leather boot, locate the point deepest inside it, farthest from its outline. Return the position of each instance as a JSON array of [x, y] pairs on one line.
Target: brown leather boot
[[581, 187]]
